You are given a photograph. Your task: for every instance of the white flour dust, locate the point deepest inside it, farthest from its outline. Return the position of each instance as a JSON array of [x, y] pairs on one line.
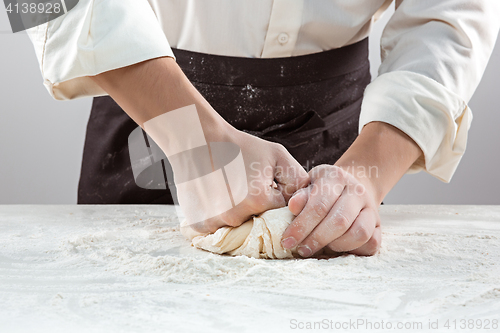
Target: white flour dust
[[57, 260]]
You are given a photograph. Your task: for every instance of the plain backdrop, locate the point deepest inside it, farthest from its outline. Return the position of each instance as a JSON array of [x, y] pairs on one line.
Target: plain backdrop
[[41, 139]]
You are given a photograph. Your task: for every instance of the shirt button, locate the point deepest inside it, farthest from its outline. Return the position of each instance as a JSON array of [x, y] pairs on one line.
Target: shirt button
[[283, 38]]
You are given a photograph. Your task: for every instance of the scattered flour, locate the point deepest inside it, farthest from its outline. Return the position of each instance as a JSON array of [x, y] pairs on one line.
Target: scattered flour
[[132, 262]]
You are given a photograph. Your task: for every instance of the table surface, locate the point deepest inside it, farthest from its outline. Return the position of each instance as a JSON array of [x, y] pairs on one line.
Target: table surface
[[127, 268]]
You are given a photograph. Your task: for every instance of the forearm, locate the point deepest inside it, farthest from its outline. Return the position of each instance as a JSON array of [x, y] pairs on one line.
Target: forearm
[[379, 157], [151, 88]]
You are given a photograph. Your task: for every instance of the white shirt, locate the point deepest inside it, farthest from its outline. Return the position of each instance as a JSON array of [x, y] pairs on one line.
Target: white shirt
[[433, 52]]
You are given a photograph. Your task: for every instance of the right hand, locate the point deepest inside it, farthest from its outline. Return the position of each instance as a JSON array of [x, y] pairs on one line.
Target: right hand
[[273, 175]]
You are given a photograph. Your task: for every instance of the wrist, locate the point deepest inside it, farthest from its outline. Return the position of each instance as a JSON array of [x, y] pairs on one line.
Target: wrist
[[379, 157], [215, 128], [367, 175]]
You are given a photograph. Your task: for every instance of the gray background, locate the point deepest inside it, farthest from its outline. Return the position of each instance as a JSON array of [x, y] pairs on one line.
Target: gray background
[[41, 139]]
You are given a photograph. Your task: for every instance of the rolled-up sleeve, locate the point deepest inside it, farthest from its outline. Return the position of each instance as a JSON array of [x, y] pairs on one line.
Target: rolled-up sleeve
[[434, 54], [94, 37]]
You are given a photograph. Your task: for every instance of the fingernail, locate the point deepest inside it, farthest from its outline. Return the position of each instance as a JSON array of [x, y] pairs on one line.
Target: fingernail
[[289, 242], [304, 251]]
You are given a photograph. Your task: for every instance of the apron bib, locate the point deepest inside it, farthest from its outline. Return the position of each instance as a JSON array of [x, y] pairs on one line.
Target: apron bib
[[310, 104]]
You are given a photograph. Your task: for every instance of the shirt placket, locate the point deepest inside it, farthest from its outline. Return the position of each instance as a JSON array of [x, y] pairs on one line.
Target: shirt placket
[[284, 26]]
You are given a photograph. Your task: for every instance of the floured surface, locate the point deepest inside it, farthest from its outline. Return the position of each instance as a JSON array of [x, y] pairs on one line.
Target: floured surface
[[128, 268]]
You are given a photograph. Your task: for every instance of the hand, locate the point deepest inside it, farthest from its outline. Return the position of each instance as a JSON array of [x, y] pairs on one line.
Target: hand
[[273, 175], [340, 209], [337, 211]]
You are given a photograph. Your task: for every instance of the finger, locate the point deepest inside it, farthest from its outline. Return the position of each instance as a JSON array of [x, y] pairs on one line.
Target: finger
[[263, 197], [372, 246], [323, 194], [199, 227], [266, 198], [290, 175], [358, 234], [335, 224], [298, 200]]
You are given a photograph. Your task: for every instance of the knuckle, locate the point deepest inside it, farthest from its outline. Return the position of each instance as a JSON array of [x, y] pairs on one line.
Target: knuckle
[[321, 208], [231, 220], [278, 146], [280, 149], [258, 199], [198, 227], [342, 221], [362, 233], [209, 226], [294, 230], [340, 175], [320, 170], [342, 244], [316, 244], [356, 189], [373, 246]]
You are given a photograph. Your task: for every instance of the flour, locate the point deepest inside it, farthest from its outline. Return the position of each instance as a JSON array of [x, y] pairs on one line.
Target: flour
[[66, 264], [151, 248]]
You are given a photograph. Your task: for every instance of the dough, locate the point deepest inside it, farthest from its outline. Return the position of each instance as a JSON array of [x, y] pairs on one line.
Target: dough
[[259, 237]]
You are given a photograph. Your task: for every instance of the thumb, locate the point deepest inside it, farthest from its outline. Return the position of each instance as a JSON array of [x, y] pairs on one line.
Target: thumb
[[299, 200]]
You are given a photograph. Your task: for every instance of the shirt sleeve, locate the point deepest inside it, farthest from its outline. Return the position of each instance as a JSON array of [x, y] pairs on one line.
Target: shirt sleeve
[[94, 37], [434, 54]]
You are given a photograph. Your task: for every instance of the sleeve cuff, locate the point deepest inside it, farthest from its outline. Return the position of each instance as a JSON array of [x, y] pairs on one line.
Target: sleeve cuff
[[95, 37], [428, 112]]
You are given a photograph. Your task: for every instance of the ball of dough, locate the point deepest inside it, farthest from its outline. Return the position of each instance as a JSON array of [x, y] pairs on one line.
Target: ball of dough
[[259, 237]]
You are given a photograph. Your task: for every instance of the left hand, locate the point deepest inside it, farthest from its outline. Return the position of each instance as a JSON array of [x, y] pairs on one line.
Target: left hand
[[338, 211]]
